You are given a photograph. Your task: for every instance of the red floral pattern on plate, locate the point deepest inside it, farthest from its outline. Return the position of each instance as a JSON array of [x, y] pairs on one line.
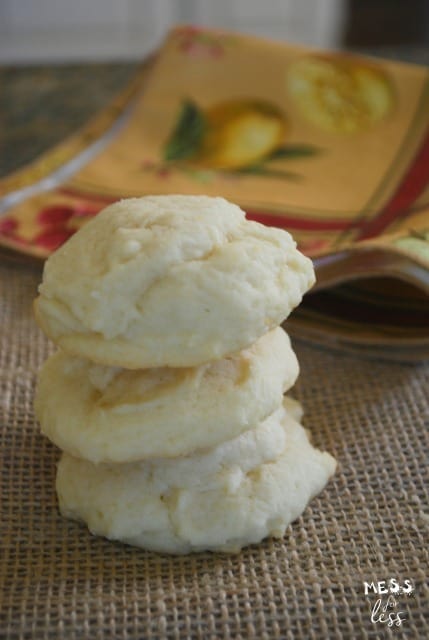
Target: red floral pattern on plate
[[55, 224], [198, 42], [59, 223]]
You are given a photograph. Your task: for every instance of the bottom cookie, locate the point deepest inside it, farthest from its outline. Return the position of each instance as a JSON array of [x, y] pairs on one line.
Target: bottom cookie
[[225, 511]]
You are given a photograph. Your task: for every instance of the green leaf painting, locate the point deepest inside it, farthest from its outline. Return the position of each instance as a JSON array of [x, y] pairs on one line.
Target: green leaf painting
[[292, 151], [187, 135]]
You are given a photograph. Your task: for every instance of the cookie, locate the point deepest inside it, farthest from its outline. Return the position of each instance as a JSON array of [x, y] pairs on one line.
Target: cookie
[[169, 281], [219, 501], [107, 414]]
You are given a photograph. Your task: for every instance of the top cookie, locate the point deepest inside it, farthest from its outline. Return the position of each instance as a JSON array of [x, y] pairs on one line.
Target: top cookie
[[169, 281]]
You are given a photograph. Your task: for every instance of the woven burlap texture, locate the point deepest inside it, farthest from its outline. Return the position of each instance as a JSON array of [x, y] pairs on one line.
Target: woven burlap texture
[[370, 524]]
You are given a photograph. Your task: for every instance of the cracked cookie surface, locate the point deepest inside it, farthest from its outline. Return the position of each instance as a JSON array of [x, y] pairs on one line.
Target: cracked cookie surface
[[169, 281], [109, 414], [220, 500]]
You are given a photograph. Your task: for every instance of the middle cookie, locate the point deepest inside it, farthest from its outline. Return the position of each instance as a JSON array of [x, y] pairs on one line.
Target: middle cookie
[[108, 414]]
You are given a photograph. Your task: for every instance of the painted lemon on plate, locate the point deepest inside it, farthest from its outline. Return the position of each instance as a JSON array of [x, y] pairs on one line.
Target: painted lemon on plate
[[340, 95], [241, 135]]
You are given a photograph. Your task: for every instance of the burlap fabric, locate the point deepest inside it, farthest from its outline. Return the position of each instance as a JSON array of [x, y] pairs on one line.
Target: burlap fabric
[[58, 581]]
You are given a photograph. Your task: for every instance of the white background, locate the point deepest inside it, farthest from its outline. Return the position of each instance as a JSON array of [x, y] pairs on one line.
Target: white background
[[62, 30]]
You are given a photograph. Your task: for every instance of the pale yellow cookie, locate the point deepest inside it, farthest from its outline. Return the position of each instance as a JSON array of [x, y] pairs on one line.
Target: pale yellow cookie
[[117, 415], [220, 501], [169, 281]]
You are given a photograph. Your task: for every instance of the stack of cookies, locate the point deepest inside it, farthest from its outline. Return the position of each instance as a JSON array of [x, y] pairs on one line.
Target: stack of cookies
[[167, 392]]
